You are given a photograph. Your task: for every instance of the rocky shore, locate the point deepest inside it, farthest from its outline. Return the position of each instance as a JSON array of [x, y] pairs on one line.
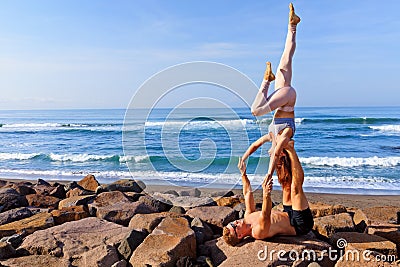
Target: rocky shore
[[86, 223]]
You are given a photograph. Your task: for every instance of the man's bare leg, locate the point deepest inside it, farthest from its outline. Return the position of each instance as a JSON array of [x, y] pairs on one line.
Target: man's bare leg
[[299, 200]]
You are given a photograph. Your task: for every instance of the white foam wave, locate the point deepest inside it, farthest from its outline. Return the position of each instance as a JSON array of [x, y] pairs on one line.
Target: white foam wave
[[351, 162], [200, 124], [57, 126], [298, 120], [17, 156], [138, 159], [387, 128], [32, 125], [78, 157]]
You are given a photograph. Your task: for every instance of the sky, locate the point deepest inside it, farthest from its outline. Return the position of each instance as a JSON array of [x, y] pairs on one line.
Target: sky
[[96, 54]]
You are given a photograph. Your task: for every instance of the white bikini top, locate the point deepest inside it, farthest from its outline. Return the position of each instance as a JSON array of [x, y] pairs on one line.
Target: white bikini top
[[286, 108]]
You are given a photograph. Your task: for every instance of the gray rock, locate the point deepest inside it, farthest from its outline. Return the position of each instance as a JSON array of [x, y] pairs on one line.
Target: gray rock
[[222, 194], [123, 185], [37, 261], [216, 216], [116, 207], [172, 192], [15, 240], [185, 201], [202, 230], [157, 204], [130, 243], [193, 192], [10, 199], [6, 251], [326, 226], [58, 191], [14, 215], [171, 240], [177, 210], [87, 242]]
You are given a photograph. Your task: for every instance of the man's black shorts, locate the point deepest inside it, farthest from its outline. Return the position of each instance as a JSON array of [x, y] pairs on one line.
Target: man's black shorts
[[301, 220]]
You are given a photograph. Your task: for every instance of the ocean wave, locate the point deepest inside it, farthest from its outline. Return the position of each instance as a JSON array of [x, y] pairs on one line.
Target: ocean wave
[[386, 128], [351, 161], [350, 120], [18, 156], [200, 123], [35, 127]]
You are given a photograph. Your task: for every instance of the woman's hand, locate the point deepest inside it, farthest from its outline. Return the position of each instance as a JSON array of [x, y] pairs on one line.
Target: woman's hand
[[242, 166]]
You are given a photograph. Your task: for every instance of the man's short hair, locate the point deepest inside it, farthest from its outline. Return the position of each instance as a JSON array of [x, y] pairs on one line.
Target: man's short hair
[[230, 239]]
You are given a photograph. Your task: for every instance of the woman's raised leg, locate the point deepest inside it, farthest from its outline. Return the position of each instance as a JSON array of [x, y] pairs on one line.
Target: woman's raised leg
[[284, 71]]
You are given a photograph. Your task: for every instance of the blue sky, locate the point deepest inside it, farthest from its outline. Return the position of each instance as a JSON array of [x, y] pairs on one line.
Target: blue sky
[[95, 54]]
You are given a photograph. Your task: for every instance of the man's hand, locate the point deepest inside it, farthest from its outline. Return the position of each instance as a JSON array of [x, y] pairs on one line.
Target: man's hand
[[242, 166], [267, 185]]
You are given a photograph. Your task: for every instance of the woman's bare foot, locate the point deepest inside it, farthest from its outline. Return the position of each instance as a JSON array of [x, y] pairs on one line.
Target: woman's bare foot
[[268, 75], [293, 18]]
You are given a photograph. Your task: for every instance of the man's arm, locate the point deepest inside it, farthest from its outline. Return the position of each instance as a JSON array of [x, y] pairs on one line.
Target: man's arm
[[255, 145], [264, 221], [247, 192]]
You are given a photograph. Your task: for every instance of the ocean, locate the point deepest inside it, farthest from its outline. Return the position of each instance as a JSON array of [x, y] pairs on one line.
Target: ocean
[[354, 150]]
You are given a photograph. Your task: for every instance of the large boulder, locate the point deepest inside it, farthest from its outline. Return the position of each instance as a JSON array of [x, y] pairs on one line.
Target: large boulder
[[37, 261], [42, 201], [116, 207], [130, 243], [14, 215], [277, 251], [186, 202], [69, 214], [148, 222], [171, 240], [375, 216], [10, 199], [22, 188], [28, 225], [123, 185], [390, 232], [77, 191], [229, 201], [87, 242], [216, 216], [363, 242], [75, 201], [202, 230], [320, 209], [326, 226], [89, 182]]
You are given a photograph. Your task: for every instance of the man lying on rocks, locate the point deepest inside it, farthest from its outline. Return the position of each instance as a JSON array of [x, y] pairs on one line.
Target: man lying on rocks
[[296, 219]]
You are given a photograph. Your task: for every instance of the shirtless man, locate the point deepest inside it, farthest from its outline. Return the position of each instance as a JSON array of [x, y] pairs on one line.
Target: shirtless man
[[296, 219]]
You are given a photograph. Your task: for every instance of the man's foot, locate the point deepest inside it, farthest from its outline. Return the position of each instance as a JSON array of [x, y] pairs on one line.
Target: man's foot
[[268, 75], [293, 18]]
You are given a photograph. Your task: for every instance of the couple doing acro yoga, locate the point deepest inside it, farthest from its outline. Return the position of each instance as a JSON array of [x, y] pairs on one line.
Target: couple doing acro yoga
[[296, 219]]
